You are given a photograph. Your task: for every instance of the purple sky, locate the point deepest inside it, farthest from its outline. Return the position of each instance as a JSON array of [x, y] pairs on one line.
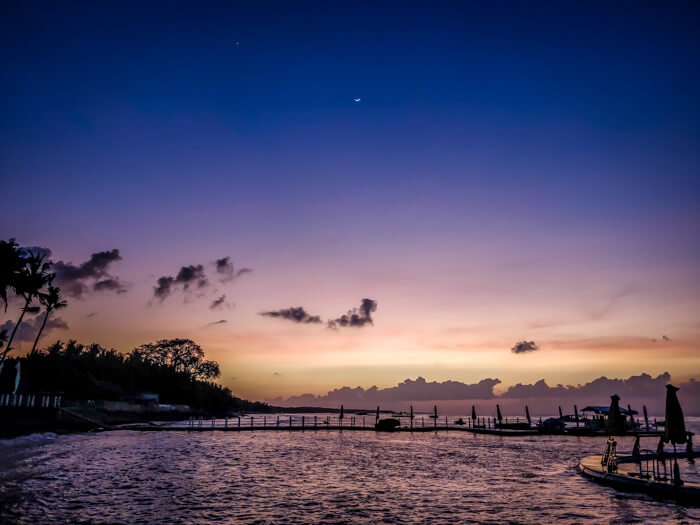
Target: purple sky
[[510, 174]]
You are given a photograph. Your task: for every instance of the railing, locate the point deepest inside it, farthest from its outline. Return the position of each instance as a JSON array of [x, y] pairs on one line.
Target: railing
[[311, 422], [30, 400]]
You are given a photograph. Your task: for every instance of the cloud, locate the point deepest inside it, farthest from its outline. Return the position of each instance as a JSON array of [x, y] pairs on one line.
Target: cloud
[[109, 285], [405, 392], [220, 303], [665, 338], [356, 317], [295, 313], [224, 267], [29, 328], [188, 277], [221, 321], [541, 398], [634, 386], [603, 312], [92, 275], [524, 346], [91, 314], [226, 271]]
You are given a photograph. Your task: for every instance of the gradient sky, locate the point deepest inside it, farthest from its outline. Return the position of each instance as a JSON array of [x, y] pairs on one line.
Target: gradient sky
[[517, 171]]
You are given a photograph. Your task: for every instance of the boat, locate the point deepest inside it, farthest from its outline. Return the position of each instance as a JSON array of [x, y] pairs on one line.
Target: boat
[[643, 471], [387, 425], [600, 415], [552, 425]]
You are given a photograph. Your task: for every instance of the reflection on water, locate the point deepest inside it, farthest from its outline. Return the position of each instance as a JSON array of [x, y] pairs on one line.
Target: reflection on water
[[324, 476]]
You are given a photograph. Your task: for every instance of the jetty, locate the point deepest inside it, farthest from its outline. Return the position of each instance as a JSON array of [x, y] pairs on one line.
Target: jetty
[[643, 471], [247, 423]]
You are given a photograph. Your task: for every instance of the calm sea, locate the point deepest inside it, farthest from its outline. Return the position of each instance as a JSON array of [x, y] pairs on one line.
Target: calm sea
[[314, 477]]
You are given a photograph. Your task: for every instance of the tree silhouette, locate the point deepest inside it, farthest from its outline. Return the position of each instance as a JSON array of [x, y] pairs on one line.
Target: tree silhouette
[[27, 284], [11, 263], [51, 300], [85, 372], [180, 355]]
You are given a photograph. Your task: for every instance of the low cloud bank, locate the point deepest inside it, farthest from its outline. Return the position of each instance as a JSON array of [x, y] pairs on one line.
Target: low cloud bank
[[408, 390], [457, 397]]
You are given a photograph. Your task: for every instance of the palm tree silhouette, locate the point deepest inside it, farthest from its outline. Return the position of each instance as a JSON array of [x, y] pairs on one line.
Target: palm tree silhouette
[[51, 300], [27, 284], [11, 264]]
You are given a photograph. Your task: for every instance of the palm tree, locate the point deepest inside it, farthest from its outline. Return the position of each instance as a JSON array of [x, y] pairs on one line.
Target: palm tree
[[11, 263], [33, 276], [51, 300]]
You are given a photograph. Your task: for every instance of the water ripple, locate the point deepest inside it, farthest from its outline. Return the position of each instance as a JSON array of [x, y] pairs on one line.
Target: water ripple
[[311, 477]]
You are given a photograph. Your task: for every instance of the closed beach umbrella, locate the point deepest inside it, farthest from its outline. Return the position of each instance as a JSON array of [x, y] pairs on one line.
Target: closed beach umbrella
[[498, 413], [560, 414], [17, 377], [377, 413], [576, 413], [675, 428], [646, 416], [675, 425], [435, 412], [615, 422], [473, 413], [342, 412], [527, 414]]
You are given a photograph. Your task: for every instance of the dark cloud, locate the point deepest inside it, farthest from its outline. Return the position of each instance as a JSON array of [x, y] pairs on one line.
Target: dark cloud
[[356, 317], [296, 314], [109, 285], [226, 270], [219, 303], [188, 278], [224, 267], [524, 346], [91, 314], [92, 275], [28, 329], [221, 321], [191, 276], [276, 374], [163, 286], [665, 338]]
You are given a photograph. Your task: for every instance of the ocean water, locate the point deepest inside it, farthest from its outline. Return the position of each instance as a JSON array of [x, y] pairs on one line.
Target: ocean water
[[313, 477]]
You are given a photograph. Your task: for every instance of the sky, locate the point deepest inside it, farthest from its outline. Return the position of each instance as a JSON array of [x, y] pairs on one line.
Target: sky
[[511, 173]]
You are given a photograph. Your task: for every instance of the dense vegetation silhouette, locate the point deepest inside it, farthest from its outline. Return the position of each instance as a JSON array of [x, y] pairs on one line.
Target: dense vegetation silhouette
[[90, 372], [175, 369]]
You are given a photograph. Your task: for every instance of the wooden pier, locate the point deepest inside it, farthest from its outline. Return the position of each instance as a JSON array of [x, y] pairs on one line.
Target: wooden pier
[[294, 423]]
